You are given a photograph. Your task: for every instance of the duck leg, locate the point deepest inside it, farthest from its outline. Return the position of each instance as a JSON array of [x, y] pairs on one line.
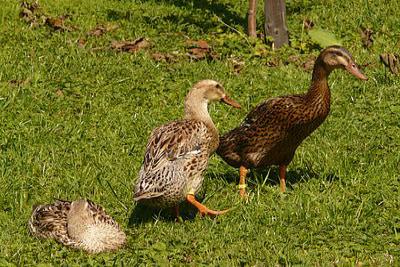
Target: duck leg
[[203, 209], [242, 181], [176, 211], [282, 177]]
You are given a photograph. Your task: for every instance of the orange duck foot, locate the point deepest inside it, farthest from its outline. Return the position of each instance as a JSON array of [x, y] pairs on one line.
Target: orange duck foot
[[203, 209]]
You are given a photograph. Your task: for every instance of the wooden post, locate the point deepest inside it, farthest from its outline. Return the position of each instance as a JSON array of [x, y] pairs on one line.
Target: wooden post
[[275, 22], [251, 19]]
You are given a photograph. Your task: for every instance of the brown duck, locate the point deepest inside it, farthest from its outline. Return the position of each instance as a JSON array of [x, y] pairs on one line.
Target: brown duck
[[177, 153], [272, 131], [80, 224]]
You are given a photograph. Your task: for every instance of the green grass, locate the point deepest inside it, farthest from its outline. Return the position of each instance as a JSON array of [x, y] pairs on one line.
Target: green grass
[[342, 207]]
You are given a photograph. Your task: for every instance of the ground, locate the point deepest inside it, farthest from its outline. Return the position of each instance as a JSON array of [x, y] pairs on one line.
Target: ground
[[75, 115]]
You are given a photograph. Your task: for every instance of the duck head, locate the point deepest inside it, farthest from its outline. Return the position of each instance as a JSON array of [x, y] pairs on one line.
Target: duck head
[[211, 90], [335, 56], [78, 218]]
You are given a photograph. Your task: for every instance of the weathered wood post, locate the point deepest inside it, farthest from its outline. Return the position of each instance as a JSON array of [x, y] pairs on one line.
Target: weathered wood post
[[275, 22], [251, 19]]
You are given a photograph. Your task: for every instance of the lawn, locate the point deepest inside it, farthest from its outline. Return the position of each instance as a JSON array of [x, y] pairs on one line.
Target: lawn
[[75, 116]]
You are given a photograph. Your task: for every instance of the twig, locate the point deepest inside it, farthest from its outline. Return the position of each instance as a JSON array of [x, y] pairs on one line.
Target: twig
[[235, 30], [116, 196]]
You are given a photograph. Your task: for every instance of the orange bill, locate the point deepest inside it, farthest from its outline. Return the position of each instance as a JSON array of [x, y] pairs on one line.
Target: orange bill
[[353, 69], [227, 100]]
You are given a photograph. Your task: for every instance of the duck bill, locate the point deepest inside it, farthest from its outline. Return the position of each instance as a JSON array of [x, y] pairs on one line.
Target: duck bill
[[227, 100], [353, 69]]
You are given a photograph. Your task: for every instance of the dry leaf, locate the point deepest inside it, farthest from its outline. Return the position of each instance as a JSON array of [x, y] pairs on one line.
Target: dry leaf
[[19, 82], [367, 38], [165, 57], [81, 42], [200, 49], [131, 46], [30, 13], [308, 24], [391, 61], [58, 23], [101, 29], [237, 64], [59, 92]]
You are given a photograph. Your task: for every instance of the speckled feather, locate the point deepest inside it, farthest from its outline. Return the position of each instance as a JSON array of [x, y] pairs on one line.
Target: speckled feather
[[96, 230], [177, 153], [176, 156], [272, 131]]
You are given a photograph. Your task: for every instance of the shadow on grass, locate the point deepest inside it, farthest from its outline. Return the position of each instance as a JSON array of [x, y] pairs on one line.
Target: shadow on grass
[[142, 214], [270, 176], [199, 17]]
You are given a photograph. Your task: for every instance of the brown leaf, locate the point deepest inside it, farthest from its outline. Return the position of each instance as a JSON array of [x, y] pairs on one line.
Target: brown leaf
[[237, 64], [81, 42], [131, 46], [391, 61], [367, 38], [31, 13], [200, 49], [163, 57], [58, 23], [19, 82], [308, 24], [101, 29], [59, 92], [197, 44]]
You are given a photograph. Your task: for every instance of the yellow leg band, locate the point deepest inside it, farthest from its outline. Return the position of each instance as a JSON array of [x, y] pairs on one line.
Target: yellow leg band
[[242, 186]]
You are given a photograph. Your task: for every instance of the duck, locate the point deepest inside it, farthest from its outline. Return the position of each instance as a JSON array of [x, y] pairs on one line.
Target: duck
[[79, 224], [274, 129], [177, 153]]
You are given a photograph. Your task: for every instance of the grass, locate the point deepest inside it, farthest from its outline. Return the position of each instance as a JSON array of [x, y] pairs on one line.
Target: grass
[[75, 121]]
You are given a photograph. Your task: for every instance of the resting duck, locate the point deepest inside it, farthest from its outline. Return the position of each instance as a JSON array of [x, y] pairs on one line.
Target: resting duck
[[177, 153], [80, 224], [272, 131]]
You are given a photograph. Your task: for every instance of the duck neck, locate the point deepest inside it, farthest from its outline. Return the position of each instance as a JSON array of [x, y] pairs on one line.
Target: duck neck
[[319, 92], [196, 108]]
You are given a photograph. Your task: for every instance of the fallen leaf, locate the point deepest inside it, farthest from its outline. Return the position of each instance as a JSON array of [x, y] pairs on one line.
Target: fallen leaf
[[391, 61], [367, 38], [19, 82], [131, 46], [200, 49], [101, 29], [31, 13], [237, 64], [59, 92], [58, 23], [308, 24], [163, 57], [81, 42]]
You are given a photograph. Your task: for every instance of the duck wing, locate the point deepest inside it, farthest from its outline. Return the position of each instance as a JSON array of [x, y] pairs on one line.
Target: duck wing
[[50, 221], [169, 152], [265, 125]]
